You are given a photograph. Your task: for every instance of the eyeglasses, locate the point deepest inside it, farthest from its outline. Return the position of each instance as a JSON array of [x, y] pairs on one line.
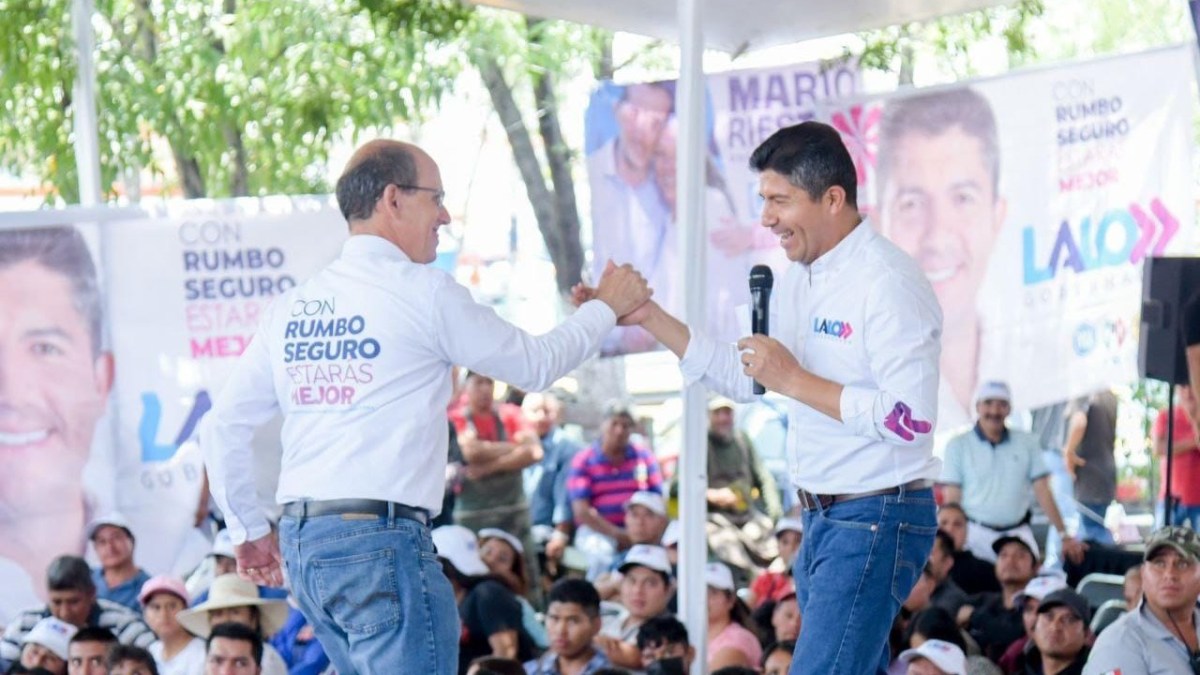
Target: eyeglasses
[[439, 196]]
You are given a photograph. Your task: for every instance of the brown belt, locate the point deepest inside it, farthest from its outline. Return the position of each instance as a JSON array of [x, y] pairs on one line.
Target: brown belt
[[810, 501]]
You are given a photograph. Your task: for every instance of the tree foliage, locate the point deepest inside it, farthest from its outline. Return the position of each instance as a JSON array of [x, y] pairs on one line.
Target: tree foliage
[[246, 95]]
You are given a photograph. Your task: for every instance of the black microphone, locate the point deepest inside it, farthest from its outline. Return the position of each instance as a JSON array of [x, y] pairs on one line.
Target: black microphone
[[761, 281]]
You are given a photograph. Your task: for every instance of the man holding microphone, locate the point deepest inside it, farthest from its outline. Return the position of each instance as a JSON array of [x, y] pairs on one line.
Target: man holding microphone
[[358, 361], [856, 351]]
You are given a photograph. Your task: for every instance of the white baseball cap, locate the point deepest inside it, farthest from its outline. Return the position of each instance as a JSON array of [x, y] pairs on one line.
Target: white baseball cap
[[497, 533], [671, 534], [111, 519], [789, 524], [459, 545], [993, 390], [648, 556], [650, 500], [947, 657], [53, 634], [1039, 587], [719, 576]]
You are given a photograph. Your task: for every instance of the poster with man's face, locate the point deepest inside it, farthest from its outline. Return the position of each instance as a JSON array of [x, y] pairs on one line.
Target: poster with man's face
[[55, 377], [1030, 201]]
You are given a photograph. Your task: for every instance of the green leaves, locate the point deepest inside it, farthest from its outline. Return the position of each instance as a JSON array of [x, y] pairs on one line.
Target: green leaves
[[235, 97]]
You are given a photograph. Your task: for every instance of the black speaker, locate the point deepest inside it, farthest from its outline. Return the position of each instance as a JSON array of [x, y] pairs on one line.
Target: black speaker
[[1167, 285]]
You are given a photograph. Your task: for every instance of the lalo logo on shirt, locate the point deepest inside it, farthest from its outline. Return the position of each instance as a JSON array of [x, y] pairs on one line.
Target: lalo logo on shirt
[[833, 328]]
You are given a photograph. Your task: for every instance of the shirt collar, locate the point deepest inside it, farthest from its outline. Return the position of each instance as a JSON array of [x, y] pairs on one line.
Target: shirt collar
[[845, 250], [367, 245], [985, 439], [1156, 627]]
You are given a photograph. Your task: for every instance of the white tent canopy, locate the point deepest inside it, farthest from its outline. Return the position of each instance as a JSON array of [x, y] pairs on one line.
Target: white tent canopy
[[739, 26]]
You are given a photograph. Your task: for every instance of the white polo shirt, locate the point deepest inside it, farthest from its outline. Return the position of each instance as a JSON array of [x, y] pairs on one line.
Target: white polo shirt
[[862, 315], [358, 361]]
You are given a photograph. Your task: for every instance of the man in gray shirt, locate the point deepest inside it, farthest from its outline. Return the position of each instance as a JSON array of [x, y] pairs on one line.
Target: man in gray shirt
[[1088, 454], [1160, 636]]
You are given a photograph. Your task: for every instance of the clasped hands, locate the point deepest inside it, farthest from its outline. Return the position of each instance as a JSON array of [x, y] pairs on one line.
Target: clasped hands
[[763, 358]]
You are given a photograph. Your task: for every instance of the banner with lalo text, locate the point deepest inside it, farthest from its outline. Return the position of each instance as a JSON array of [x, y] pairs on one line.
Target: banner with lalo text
[[1031, 200]]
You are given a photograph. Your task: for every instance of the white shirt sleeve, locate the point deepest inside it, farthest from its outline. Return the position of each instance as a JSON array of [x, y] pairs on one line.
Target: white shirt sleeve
[[903, 342], [246, 402], [473, 335], [717, 366]]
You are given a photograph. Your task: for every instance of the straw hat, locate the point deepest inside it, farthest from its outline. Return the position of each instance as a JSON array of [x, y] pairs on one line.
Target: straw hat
[[230, 590]]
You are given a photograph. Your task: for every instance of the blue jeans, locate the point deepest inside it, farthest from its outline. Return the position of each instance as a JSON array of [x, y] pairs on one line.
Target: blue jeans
[[1092, 529], [857, 564], [374, 591]]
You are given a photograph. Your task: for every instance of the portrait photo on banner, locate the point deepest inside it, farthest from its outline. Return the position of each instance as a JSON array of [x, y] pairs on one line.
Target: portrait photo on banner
[[56, 375], [1030, 201]]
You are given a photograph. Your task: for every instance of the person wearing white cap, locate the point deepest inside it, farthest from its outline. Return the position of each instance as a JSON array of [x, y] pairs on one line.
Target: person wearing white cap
[[118, 578], [491, 616], [177, 651], [730, 639], [504, 555], [647, 584], [46, 645], [233, 599], [358, 360], [935, 657], [735, 473], [989, 470], [646, 522]]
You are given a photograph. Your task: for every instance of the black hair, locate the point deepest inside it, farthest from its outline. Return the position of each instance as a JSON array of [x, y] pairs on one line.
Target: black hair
[[935, 623], [788, 646], [575, 591], [494, 665], [664, 629], [236, 631], [93, 634], [813, 158], [119, 653], [943, 540]]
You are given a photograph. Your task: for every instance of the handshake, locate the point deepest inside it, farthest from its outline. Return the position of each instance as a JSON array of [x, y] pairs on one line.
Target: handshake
[[623, 289]]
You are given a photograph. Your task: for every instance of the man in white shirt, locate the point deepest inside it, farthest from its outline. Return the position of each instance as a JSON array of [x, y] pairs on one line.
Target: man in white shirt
[[857, 358], [358, 360]]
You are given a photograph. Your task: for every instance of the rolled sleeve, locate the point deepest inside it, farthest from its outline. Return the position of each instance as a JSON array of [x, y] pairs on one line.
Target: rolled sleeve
[[903, 332]]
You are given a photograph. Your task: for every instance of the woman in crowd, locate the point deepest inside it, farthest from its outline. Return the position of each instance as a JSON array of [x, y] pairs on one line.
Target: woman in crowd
[[505, 558], [777, 658], [731, 640], [490, 612], [177, 651]]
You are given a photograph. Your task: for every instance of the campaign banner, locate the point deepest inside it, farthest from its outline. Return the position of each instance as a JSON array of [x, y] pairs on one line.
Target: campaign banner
[[185, 292], [1031, 201], [631, 155]]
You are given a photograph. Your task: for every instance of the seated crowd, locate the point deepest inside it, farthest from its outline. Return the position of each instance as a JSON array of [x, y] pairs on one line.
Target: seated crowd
[[582, 579]]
